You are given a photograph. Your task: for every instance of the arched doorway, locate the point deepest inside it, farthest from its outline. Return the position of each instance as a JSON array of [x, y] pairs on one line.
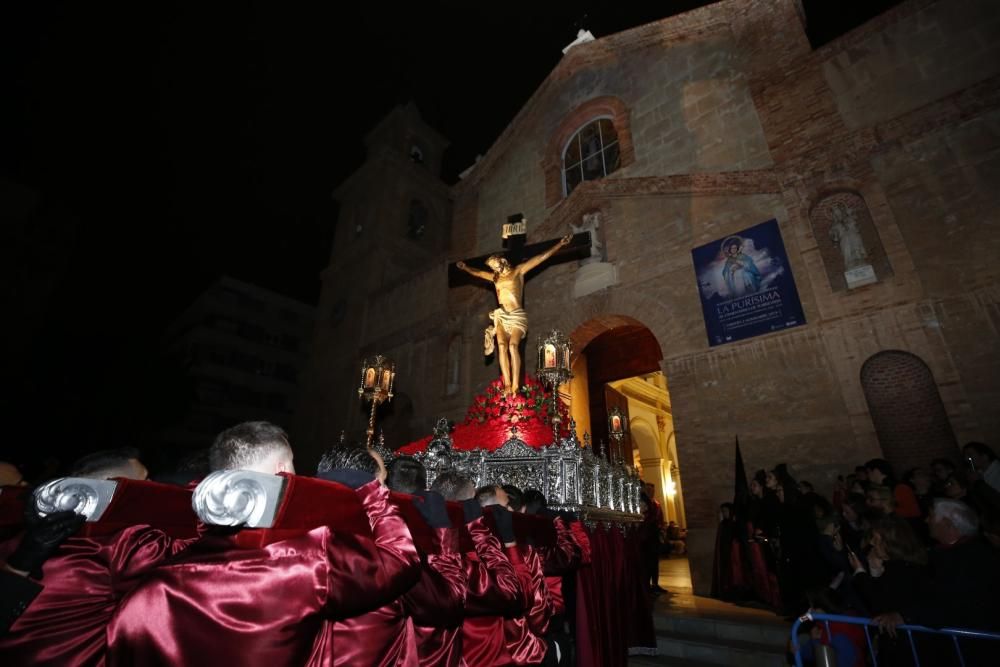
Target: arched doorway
[[906, 408], [616, 363]]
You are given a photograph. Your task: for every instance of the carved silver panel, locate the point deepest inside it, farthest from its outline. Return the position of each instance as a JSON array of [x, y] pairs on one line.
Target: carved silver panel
[[570, 476], [238, 497], [89, 497]]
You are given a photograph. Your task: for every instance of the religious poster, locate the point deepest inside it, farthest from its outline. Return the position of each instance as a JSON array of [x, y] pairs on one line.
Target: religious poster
[[746, 285]]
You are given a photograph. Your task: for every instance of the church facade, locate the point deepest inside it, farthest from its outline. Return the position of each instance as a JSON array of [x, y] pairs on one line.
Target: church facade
[[878, 156]]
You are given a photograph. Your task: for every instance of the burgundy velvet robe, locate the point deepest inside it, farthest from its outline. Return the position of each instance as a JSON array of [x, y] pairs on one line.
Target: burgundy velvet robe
[[83, 583], [220, 603], [494, 592]]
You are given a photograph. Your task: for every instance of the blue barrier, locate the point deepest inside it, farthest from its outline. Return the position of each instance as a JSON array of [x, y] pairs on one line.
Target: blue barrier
[[954, 633]]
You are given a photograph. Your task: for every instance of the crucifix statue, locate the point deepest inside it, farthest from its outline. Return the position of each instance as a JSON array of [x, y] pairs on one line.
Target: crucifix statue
[[510, 321]]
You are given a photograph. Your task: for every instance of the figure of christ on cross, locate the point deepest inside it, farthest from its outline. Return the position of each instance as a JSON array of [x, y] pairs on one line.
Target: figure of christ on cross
[[510, 321]]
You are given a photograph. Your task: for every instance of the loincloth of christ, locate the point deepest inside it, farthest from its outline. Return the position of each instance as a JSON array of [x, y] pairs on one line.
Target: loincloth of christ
[[515, 320]]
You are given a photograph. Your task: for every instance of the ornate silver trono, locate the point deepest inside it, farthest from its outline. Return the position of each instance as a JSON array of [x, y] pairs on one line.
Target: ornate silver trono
[[238, 498], [89, 497], [570, 476]]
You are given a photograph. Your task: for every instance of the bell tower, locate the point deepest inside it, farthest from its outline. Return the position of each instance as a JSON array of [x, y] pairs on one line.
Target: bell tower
[[394, 222]]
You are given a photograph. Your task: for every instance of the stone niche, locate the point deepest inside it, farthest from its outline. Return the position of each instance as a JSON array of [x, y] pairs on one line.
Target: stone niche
[[848, 241]]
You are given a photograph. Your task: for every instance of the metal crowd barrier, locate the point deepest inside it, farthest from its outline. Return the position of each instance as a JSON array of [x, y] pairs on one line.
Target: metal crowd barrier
[[954, 633]]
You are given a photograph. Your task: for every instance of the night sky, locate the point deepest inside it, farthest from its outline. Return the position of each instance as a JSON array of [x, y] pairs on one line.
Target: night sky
[[165, 144]]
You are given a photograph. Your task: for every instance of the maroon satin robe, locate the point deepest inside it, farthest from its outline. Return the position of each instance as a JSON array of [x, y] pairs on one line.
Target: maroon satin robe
[[220, 604], [523, 634], [83, 583], [387, 636], [557, 561], [494, 593], [436, 614]]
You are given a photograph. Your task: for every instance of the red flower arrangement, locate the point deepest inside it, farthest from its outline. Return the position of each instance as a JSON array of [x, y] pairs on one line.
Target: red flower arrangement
[[489, 419]]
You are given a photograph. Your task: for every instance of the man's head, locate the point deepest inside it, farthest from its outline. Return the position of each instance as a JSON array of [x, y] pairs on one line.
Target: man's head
[[919, 479], [805, 487], [406, 475], [942, 469], [726, 511], [955, 488], [110, 463], [258, 446], [454, 486], [879, 471], [951, 521], [880, 499], [352, 457], [979, 455], [515, 498], [534, 501], [10, 475], [649, 488], [497, 263], [492, 495]]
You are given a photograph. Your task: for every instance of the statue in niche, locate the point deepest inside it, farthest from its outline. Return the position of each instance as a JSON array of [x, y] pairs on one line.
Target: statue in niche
[[590, 223], [846, 235]]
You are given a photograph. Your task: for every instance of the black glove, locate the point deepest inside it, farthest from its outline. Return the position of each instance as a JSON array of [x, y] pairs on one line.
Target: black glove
[[347, 476], [43, 537], [432, 508], [504, 520], [472, 509]]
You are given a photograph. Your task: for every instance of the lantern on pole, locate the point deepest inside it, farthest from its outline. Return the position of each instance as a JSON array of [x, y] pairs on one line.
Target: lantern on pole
[[617, 427], [378, 374], [553, 369]]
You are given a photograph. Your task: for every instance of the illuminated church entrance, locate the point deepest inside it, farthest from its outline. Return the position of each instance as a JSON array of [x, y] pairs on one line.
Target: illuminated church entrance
[[616, 364]]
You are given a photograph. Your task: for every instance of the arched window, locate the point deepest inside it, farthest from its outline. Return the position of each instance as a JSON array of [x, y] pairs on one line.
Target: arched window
[[592, 153], [909, 417], [417, 220]]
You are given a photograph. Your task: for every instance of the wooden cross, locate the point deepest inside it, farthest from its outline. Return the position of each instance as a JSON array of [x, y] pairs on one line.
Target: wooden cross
[[514, 235]]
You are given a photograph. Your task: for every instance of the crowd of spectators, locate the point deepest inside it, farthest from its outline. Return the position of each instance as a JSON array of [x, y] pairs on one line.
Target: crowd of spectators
[[922, 549]]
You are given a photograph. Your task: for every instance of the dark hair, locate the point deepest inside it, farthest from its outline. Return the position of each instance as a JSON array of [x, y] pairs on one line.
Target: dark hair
[[947, 463], [980, 448], [347, 457], [885, 468], [815, 501], [787, 483], [858, 503], [901, 542], [103, 463], [406, 475], [534, 501], [487, 495], [245, 445], [451, 484], [761, 477], [515, 497], [727, 506]]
